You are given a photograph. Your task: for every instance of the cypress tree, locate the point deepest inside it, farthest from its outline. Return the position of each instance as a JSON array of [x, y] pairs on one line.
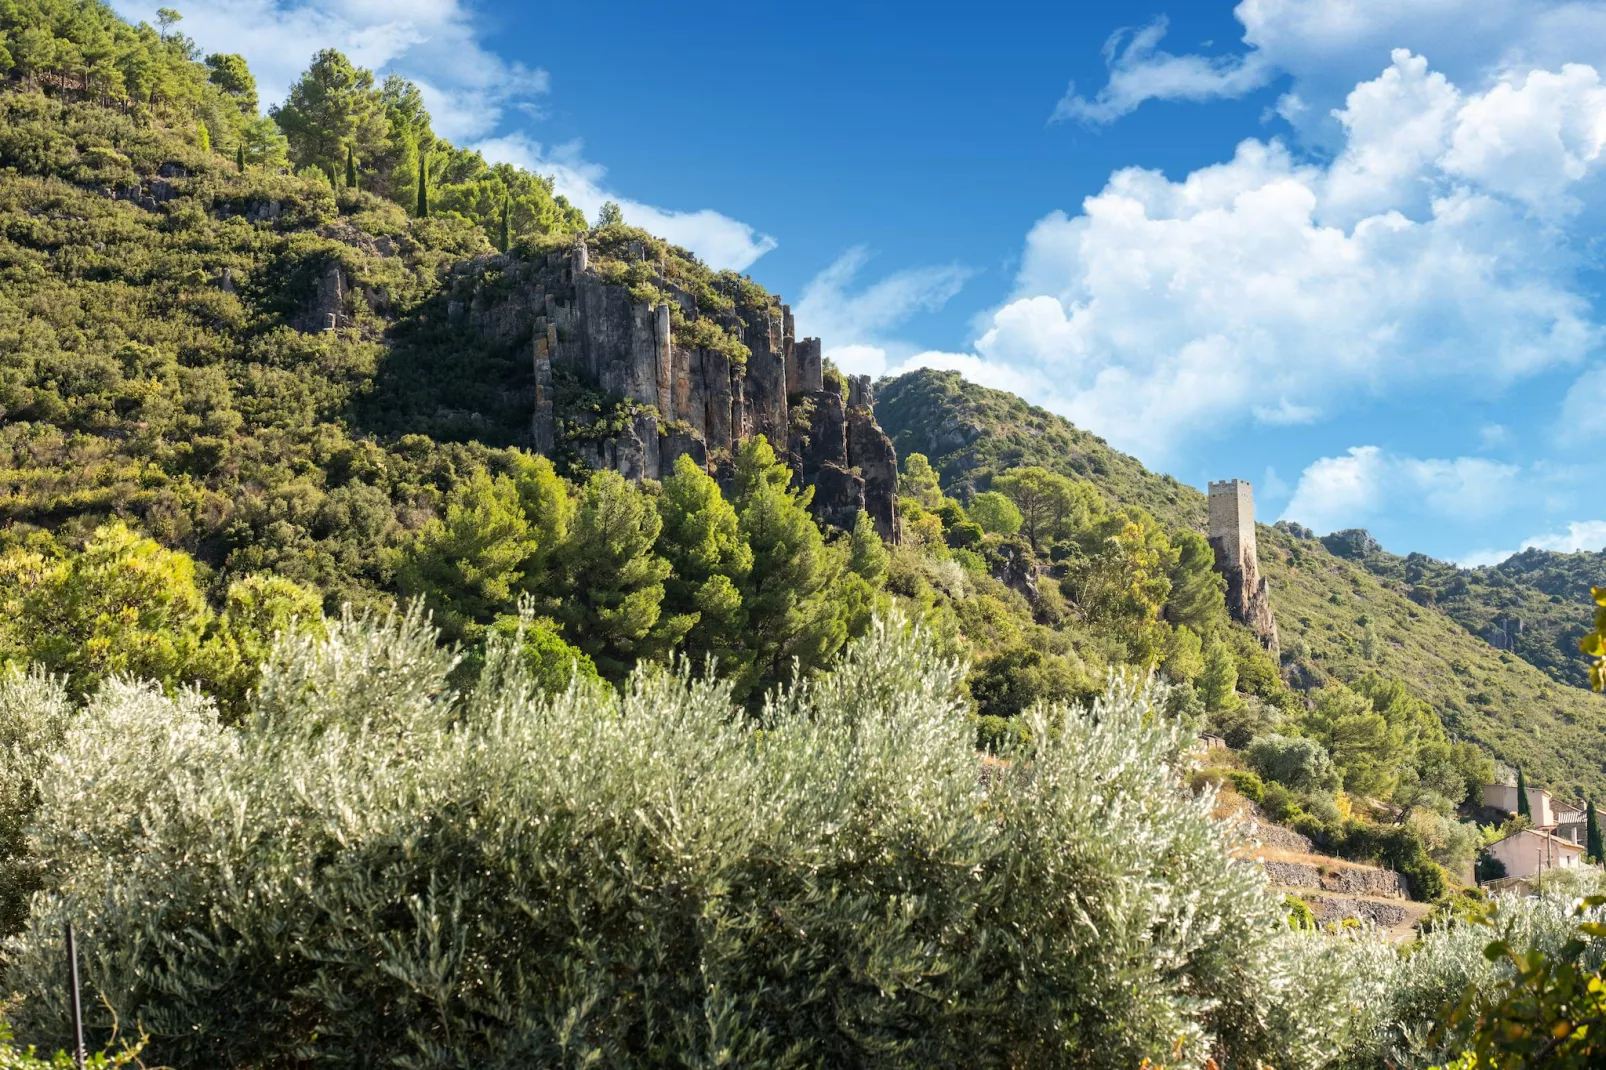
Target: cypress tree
[[423, 185], [1593, 846], [1523, 807], [506, 209], [351, 169], [239, 158]]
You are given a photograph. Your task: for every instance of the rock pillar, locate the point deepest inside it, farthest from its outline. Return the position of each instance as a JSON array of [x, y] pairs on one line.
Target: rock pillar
[[666, 362]]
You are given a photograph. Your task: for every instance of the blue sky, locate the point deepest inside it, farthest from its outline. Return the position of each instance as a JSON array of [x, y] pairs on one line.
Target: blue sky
[[1342, 248]]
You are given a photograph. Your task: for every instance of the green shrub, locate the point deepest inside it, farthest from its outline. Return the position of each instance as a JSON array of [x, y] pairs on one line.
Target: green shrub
[[1396, 847], [371, 870], [1244, 783], [1297, 763], [1278, 803], [1312, 828], [1248, 784], [994, 734]]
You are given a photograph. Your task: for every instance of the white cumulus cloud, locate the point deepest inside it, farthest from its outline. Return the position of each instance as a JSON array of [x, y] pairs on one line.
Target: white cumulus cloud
[[1275, 288], [1368, 482]]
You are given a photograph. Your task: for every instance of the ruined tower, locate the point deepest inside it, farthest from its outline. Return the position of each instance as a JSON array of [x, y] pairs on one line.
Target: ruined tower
[[1232, 537]]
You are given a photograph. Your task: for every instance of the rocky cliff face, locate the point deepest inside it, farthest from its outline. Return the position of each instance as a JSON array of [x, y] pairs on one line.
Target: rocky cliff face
[[672, 379]]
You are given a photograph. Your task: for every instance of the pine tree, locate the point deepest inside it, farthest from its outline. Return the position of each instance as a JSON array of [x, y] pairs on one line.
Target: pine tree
[[333, 104], [867, 554], [423, 185], [859, 587], [1594, 848], [548, 506], [1198, 592], [351, 168], [239, 158], [609, 582], [702, 541], [468, 565], [1523, 807], [793, 618], [919, 481], [504, 244], [1219, 681]]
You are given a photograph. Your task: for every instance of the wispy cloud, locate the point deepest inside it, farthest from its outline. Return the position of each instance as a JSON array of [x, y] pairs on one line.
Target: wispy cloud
[[721, 242], [859, 325], [1139, 71]]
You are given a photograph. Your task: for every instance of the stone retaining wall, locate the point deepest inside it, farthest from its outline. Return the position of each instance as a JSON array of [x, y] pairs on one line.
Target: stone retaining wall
[[1351, 880], [1276, 836], [1334, 908]]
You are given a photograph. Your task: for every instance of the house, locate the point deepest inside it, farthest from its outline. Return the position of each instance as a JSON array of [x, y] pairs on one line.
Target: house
[[1504, 797], [1534, 852], [1566, 813], [1573, 831]]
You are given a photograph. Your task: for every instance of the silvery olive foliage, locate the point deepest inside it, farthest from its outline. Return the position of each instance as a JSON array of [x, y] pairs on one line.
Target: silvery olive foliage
[[1353, 1002], [34, 714], [372, 870]]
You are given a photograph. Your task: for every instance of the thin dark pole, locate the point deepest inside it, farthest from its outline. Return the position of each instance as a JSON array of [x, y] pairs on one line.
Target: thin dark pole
[[77, 1006]]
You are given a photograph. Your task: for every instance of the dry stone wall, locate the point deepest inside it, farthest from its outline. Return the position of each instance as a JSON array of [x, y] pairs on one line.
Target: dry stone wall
[[1349, 880], [1332, 909]]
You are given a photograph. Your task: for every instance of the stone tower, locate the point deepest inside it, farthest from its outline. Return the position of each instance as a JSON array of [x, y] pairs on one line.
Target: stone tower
[[1232, 537]]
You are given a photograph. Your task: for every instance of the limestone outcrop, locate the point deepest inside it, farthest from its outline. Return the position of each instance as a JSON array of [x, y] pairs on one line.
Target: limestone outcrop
[[1232, 537], [666, 376], [1503, 631], [326, 311]]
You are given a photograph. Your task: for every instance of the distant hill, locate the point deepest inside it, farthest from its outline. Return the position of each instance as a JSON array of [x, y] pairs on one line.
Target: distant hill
[[1339, 616], [970, 433], [1534, 604]]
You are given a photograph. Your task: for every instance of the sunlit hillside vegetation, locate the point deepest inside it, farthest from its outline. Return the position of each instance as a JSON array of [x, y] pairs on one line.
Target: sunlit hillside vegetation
[[349, 730], [1340, 618]]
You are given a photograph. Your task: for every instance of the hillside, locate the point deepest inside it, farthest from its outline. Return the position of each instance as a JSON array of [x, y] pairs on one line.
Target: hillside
[[1338, 618], [169, 293], [1534, 604], [971, 433]]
